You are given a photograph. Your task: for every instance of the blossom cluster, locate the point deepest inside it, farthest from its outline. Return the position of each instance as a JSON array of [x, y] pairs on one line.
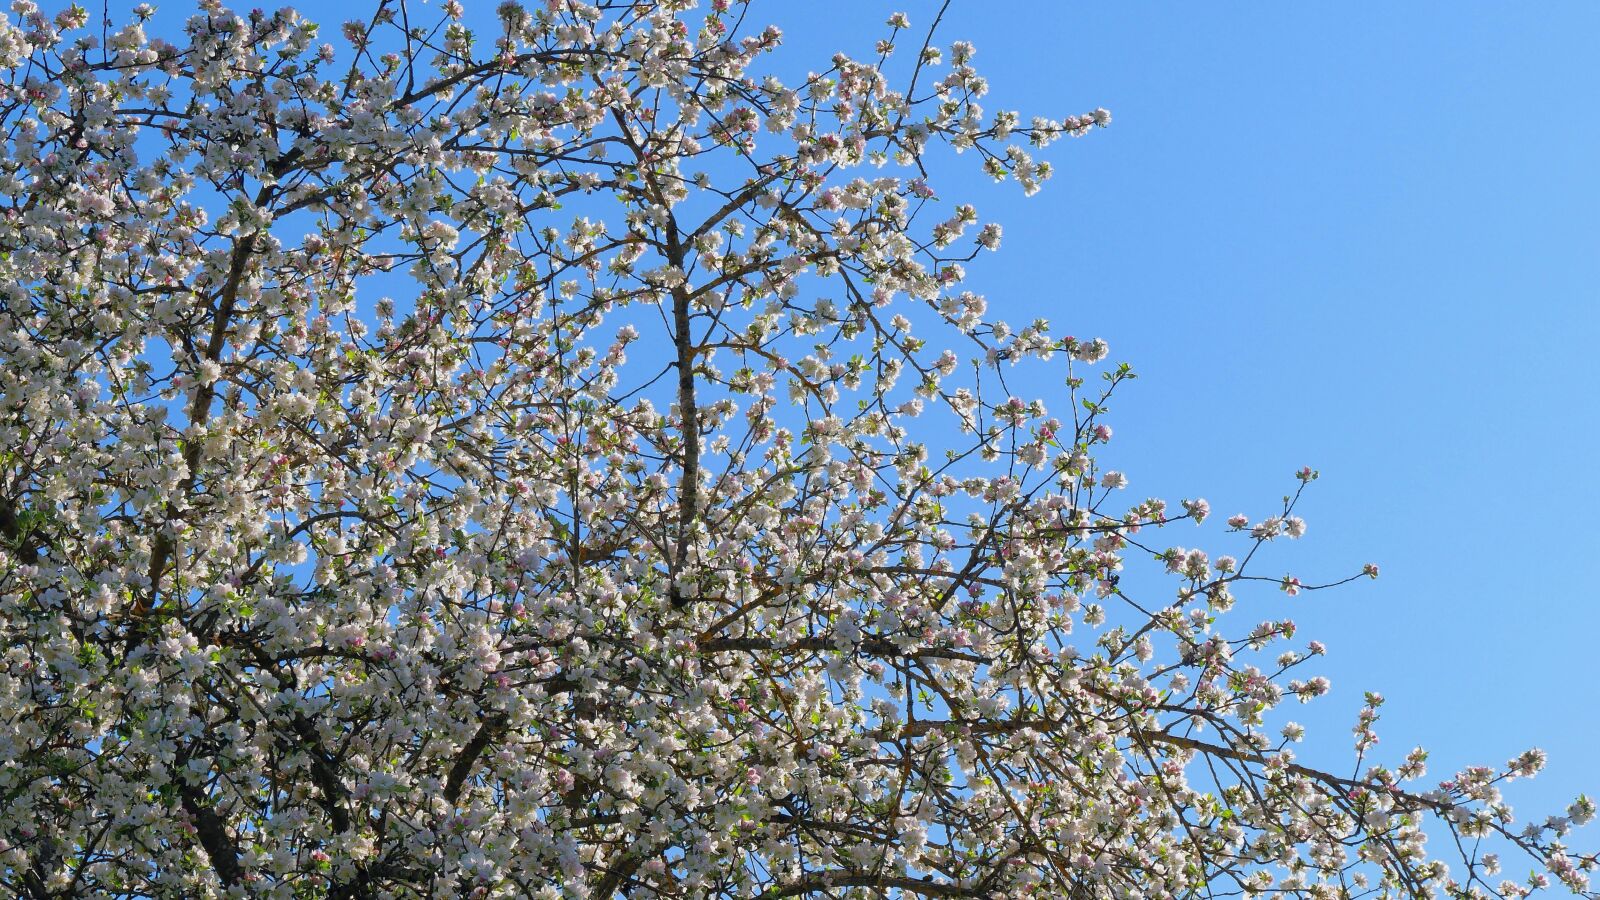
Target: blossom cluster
[[442, 458]]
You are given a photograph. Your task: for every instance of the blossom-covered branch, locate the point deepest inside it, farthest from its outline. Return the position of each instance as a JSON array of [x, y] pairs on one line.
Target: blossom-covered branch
[[551, 455]]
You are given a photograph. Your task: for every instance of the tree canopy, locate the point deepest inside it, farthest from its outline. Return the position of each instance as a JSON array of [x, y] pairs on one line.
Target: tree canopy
[[548, 455]]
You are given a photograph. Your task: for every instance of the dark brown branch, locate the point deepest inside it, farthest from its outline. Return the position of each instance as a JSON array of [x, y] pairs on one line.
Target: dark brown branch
[[822, 881], [461, 770], [199, 409], [688, 414], [213, 833]]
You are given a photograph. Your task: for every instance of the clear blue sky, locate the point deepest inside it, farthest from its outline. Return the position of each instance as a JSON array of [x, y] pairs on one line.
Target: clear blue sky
[[1365, 239], [1361, 239]]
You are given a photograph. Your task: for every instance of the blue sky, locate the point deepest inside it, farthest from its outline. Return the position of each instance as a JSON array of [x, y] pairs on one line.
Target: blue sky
[[1365, 242], [1368, 242]]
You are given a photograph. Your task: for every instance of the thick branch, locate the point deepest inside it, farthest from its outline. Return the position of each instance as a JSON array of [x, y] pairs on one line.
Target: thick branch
[[199, 409], [468, 757], [213, 834], [688, 414], [822, 881]]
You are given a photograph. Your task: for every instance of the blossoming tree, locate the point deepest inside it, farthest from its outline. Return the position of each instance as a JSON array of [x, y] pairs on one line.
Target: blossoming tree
[[501, 461]]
